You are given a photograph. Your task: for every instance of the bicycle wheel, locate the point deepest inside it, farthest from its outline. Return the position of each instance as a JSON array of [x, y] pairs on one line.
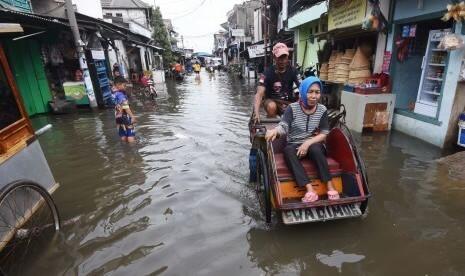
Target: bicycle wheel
[[28, 220]]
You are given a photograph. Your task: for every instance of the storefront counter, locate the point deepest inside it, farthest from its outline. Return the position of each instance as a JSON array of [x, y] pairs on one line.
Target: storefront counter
[[374, 112]]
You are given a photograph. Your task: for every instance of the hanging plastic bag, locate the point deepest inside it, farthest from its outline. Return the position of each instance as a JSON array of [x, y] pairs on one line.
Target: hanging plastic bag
[[375, 21], [451, 42]]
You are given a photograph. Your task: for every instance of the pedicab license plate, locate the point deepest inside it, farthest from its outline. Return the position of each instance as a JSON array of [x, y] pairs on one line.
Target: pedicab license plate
[[321, 213]]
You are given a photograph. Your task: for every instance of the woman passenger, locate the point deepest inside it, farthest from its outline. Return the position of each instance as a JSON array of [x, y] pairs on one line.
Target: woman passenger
[[306, 125]]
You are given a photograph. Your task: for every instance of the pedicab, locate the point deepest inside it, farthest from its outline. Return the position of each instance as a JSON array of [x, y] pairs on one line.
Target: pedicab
[[28, 215], [277, 190]]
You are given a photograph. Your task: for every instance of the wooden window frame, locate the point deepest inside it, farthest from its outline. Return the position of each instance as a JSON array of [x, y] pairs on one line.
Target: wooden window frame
[[19, 132]]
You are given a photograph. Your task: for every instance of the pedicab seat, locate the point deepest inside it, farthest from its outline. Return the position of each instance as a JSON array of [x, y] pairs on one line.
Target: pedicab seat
[[284, 173]]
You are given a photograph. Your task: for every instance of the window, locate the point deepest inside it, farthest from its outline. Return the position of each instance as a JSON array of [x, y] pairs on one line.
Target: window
[[108, 14], [9, 111], [119, 14]]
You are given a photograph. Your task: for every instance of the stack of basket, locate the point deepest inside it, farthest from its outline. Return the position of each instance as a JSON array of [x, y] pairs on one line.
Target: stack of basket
[[359, 68], [342, 66], [324, 71], [332, 66]]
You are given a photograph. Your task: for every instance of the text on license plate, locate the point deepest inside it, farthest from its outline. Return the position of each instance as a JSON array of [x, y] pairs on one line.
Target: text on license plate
[[321, 213]]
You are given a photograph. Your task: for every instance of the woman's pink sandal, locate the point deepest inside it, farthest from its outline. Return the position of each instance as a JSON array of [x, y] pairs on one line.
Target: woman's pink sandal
[[310, 197], [333, 195]]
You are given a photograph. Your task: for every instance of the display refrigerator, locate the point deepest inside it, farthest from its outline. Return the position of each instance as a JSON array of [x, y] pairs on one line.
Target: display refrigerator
[[432, 75]]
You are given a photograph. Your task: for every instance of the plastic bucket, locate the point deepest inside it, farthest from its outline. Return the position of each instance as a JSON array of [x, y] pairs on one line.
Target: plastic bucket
[[461, 136]]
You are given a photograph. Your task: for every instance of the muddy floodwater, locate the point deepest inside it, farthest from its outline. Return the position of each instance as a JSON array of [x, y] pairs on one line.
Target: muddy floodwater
[[178, 202]]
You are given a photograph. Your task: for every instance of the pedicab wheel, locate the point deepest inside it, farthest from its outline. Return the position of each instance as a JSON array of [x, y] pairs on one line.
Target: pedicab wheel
[[28, 220], [263, 188]]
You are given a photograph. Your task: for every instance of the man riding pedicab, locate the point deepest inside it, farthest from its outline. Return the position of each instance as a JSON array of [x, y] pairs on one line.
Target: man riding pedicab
[[278, 85]]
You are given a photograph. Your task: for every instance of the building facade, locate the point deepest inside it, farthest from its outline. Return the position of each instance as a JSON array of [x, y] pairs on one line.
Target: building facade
[[306, 25], [426, 78]]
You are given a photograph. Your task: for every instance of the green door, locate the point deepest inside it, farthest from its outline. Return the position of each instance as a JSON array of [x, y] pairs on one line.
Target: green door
[[25, 60]]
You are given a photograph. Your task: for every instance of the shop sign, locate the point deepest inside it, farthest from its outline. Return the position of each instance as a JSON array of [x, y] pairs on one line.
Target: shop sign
[[256, 50], [346, 13], [98, 54], [237, 32]]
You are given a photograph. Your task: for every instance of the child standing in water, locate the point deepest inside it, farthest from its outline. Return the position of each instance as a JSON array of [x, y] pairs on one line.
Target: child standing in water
[[125, 119]]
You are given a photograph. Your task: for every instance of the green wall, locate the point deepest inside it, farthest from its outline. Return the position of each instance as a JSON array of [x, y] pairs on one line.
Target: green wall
[[303, 33], [24, 57]]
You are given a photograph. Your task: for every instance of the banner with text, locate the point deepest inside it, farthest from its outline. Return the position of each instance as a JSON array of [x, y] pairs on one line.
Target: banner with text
[[256, 50], [346, 13]]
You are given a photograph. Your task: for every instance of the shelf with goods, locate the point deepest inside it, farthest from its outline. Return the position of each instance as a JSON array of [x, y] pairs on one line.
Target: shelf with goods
[[432, 77], [431, 92]]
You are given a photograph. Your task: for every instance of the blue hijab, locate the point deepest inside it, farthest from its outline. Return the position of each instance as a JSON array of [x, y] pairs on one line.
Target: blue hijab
[[305, 85]]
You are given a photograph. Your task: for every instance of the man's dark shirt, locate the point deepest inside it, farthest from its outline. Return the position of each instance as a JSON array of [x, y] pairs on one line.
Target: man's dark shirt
[[271, 77]]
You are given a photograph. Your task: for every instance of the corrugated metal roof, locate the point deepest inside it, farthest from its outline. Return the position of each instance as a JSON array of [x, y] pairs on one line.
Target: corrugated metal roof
[[17, 16], [130, 4]]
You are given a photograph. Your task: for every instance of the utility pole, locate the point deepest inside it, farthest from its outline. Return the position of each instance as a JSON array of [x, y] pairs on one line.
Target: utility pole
[[265, 37], [82, 57]]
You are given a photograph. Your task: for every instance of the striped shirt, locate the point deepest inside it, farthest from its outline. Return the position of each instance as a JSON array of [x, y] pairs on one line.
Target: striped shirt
[[299, 126]]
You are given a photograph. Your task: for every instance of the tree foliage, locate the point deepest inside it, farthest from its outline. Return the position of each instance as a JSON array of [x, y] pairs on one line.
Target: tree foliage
[[161, 37]]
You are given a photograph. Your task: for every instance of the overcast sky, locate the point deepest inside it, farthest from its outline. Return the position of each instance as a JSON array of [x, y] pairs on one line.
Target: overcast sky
[[196, 20]]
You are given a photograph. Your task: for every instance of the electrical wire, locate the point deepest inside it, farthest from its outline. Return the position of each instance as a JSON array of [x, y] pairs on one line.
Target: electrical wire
[[197, 36], [181, 12], [190, 12], [169, 2]]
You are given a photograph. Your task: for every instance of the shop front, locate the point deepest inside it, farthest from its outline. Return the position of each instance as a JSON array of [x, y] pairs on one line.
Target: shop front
[[306, 25], [61, 64], [352, 61], [425, 73], [23, 51]]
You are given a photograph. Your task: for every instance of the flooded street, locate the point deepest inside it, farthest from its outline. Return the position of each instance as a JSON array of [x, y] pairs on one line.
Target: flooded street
[[178, 202]]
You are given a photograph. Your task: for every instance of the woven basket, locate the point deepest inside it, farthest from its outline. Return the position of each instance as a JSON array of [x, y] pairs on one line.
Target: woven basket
[[339, 57], [342, 66], [356, 80], [355, 74], [359, 60], [350, 52]]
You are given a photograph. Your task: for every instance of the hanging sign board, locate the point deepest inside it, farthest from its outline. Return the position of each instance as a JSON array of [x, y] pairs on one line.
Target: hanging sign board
[[256, 50], [11, 28], [98, 54], [346, 13], [237, 32]]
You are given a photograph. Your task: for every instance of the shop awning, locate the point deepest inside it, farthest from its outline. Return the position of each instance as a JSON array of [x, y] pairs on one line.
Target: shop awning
[[29, 20], [138, 42], [343, 33], [115, 32], [307, 15]]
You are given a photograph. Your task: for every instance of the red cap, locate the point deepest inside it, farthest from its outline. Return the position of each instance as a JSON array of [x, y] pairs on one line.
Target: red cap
[[280, 49]]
